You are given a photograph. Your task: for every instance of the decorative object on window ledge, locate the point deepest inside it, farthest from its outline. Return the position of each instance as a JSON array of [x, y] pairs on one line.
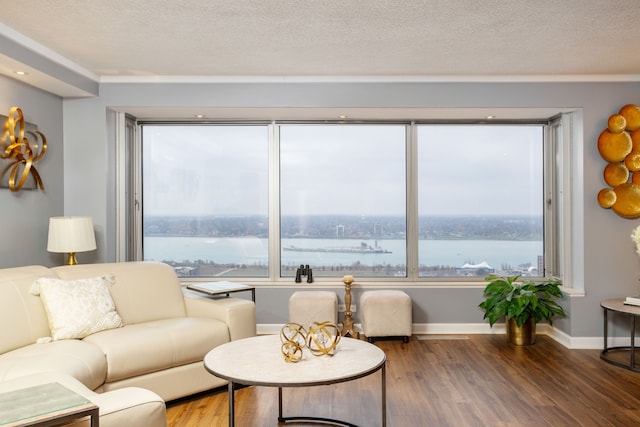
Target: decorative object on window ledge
[[619, 145], [71, 234], [347, 324], [20, 148], [304, 271]]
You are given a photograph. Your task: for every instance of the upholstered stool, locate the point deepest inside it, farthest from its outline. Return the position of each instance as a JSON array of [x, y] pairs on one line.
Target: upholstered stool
[[386, 313], [306, 307]]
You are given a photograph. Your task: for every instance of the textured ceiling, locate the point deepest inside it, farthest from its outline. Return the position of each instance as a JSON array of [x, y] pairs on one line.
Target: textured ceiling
[[362, 39]]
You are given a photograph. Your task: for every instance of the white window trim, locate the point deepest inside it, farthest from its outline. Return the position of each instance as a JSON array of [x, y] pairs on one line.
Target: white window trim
[[567, 242]]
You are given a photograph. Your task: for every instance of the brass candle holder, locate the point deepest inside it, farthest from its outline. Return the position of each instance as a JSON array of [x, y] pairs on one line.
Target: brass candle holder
[[347, 324]]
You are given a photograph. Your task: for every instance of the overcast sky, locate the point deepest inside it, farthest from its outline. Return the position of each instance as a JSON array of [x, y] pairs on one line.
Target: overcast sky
[[360, 170]]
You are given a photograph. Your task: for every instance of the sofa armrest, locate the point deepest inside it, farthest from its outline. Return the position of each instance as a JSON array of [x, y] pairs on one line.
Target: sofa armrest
[[133, 406], [238, 314], [129, 406]]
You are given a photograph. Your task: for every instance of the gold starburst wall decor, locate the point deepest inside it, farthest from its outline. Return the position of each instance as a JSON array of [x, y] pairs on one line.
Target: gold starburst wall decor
[[21, 147]]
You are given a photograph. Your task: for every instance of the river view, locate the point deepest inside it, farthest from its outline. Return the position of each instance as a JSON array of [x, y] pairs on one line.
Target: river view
[[497, 254]]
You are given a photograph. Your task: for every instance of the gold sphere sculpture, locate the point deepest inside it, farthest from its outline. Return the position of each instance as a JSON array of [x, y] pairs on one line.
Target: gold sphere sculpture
[[294, 338], [291, 351], [323, 338], [293, 332]]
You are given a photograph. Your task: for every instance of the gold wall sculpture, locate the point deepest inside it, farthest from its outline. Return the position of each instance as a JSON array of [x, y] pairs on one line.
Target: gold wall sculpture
[[619, 145], [21, 147]]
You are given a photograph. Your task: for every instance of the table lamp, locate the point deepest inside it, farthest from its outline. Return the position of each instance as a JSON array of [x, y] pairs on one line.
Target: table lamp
[[71, 234]]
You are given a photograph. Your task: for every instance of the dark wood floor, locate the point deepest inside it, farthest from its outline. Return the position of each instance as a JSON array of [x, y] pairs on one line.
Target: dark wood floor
[[475, 380]]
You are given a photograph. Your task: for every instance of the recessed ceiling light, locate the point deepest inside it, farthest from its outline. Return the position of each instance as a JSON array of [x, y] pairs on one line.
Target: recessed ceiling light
[[200, 116], [490, 117], [21, 73], [342, 116]]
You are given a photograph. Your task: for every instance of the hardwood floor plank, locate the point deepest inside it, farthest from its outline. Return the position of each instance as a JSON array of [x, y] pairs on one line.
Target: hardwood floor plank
[[479, 381]]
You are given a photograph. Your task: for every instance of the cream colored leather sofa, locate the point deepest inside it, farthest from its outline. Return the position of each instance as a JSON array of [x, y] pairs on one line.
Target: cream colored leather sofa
[[131, 370]]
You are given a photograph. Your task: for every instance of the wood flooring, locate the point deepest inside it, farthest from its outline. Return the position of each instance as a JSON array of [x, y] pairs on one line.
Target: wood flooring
[[474, 380]]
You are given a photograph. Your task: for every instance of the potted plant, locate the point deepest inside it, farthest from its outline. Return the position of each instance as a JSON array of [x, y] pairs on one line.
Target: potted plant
[[523, 304]]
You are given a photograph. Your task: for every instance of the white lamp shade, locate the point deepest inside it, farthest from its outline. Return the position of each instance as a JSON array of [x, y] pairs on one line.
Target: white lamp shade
[[71, 234]]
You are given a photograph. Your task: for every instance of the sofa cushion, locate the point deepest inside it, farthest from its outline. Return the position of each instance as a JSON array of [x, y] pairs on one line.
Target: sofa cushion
[[82, 360], [77, 308], [143, 290], [22, 316], [151, 346]]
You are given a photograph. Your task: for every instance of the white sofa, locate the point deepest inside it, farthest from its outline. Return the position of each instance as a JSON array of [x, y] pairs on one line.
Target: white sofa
[[129, 371]]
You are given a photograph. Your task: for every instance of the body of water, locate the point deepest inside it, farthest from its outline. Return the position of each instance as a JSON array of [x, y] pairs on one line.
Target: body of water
[[253, 251]]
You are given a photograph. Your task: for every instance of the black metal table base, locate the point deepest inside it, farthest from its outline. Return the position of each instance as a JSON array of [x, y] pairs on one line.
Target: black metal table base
[[316, 420], [604, 354], [282, 419], [231, 387]]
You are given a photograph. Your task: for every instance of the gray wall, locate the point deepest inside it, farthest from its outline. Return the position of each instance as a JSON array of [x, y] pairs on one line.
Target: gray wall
[[609, 264], [24, 215], [606, 263]]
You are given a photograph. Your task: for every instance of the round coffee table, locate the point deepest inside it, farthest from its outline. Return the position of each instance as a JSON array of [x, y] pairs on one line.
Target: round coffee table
[[258, 361]]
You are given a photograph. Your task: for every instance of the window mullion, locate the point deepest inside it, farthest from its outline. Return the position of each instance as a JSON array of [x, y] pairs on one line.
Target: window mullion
[[274, 202], [412, 202]]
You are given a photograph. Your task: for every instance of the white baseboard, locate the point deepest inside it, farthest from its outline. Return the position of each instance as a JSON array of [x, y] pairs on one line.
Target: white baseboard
[[585, 343]]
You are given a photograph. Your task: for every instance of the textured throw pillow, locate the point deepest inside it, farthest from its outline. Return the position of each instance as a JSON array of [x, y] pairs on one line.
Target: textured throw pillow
[[77, 308]]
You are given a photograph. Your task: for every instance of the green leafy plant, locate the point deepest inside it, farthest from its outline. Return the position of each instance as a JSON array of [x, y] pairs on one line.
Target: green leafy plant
[[505, 297]]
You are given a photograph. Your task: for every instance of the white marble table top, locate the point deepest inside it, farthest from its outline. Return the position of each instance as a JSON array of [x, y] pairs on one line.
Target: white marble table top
[[258, 361], [617, 304]]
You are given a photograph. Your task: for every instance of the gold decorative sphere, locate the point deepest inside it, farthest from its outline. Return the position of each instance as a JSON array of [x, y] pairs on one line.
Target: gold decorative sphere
[[323, 338], [293, 337], [293, 332], [614, 147], [616, 174], [632, 161], [627, 203], [631, 114], [606, 198], [616, 123], [291, 351]]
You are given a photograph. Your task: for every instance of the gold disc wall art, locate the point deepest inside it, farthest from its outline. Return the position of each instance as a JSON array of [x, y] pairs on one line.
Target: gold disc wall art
[[619, 145]]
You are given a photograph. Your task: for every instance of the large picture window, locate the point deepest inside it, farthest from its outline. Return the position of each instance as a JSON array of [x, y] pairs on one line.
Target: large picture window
[[343, 199], [205, 199], [398, 201], [480, 200]]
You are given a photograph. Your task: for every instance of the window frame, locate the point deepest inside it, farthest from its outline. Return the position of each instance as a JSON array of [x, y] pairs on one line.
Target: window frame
[[558, 138]]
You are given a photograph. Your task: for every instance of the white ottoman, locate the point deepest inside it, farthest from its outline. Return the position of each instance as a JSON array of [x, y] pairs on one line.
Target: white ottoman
[[386, 313], [306, 307]]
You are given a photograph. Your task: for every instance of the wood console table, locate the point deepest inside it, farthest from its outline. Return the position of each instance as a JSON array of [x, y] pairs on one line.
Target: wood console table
[[617, 305]]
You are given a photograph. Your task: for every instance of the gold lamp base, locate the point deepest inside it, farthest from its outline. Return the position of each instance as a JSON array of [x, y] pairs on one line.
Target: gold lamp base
[[71, 259]]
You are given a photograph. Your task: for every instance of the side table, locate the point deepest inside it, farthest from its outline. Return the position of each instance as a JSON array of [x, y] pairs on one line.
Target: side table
[[48, 404], [617, 305], [222, 288]]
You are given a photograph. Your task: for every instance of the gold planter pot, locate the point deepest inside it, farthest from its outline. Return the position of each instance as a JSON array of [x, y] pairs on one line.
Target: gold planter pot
[[521, 335]]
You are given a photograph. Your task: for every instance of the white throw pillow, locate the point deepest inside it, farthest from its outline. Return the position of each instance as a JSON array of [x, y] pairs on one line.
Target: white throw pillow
[[77, 308]]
